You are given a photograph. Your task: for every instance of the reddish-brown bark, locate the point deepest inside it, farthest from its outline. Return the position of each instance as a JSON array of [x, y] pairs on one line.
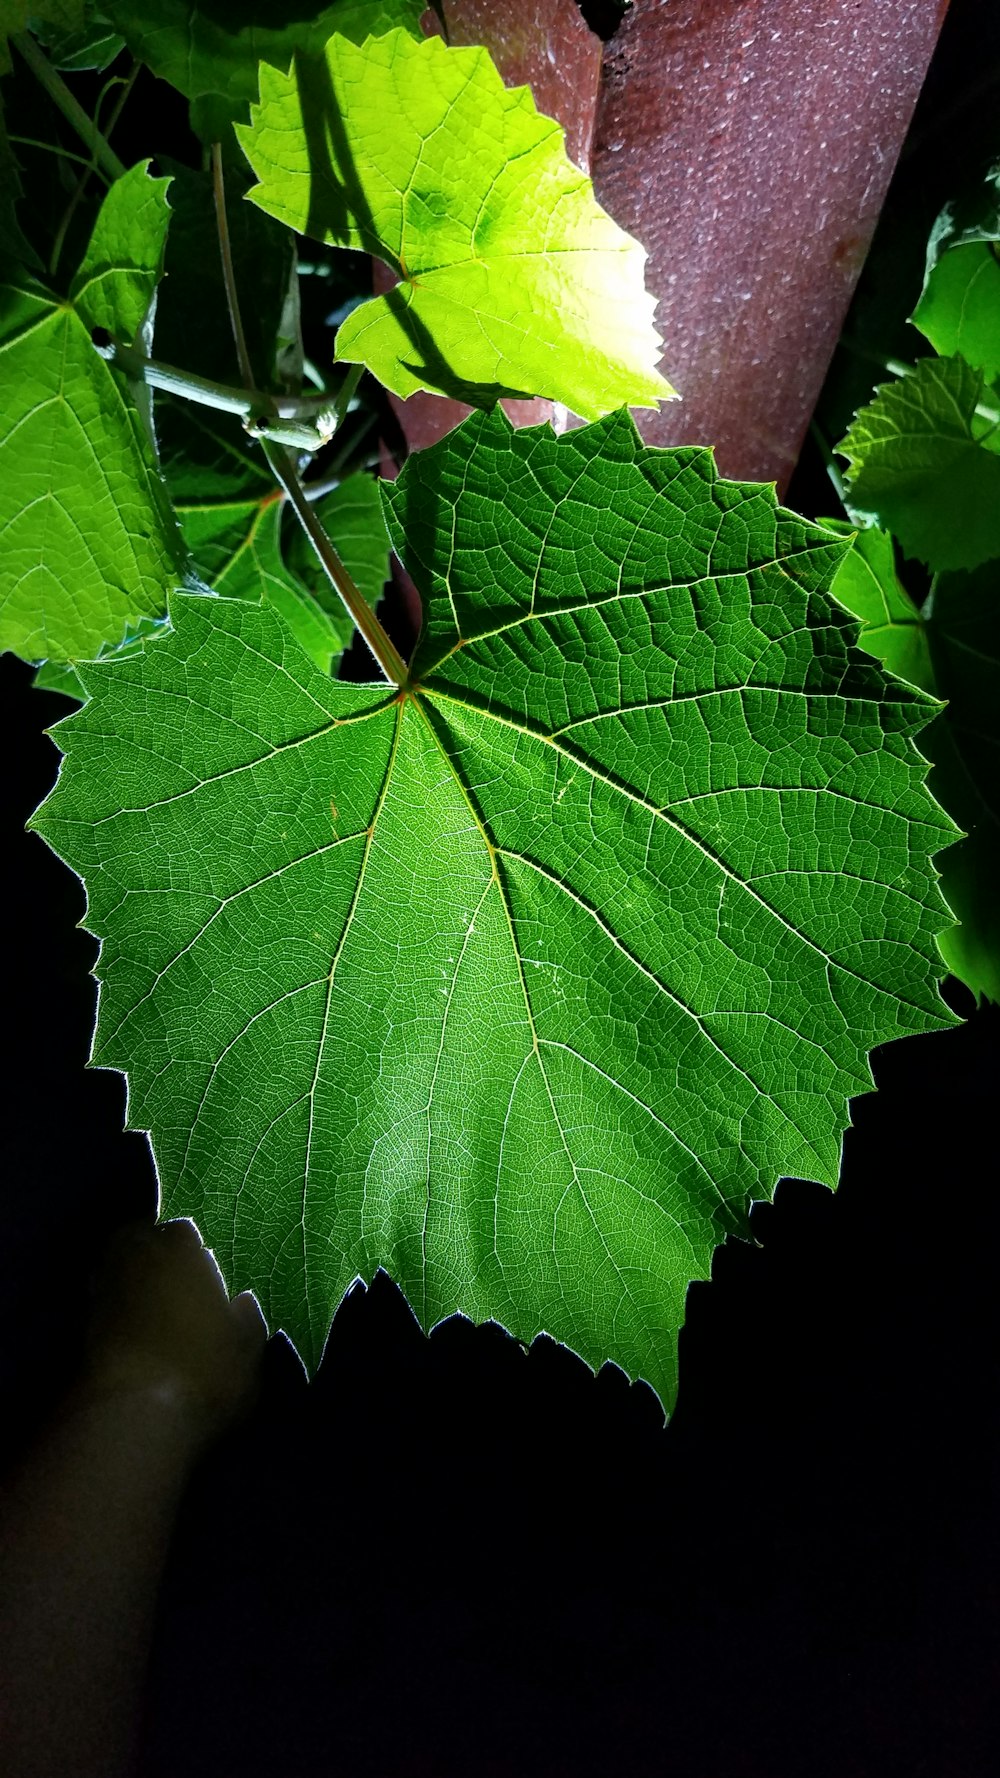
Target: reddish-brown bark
[[749, 144]]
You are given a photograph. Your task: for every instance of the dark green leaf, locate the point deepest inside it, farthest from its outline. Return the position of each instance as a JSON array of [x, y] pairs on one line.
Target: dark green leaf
[[526, 983], [963, 627], [207, 454], [76, 38], [959, 307], [924, 464], [14, 248], [210, 50]]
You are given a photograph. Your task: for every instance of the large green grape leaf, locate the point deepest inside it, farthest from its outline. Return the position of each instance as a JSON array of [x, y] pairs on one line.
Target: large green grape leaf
[[924, 464], [959, 307], [513, 280], [210, 50], [90, 544], [525, 982]]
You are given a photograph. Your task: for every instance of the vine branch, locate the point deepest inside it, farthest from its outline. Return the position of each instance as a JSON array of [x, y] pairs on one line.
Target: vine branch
[[70, 107], [284, 471], [317, 413]]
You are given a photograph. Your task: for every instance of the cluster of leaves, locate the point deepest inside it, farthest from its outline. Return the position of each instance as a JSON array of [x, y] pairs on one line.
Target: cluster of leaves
[[523, 974], [924, 483]]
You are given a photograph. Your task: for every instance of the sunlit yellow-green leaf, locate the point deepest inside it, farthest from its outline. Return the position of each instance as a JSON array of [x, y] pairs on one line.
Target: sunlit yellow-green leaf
[[512, 279]]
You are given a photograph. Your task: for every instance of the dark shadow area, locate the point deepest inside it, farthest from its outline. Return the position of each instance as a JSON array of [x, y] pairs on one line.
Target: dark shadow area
[[602, 16]]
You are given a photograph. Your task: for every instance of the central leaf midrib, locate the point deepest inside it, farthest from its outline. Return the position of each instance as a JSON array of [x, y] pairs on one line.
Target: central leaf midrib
[[496, 876], [331, 977]]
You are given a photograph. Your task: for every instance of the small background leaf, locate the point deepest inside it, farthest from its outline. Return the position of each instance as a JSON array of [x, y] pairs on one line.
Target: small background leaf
[[239, 550], [352, 516], [90, 541], [924, 464], [951, 649], [14, 248], [207, 455], [891, 626], [959, 307], [964, 633]]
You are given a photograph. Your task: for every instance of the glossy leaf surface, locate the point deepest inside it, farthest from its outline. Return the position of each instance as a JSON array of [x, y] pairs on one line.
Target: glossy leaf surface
[[513, 280], [90, 542], [524, 983]]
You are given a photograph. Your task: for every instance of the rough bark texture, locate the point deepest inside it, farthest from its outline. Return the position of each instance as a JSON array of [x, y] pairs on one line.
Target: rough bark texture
[[749, 144]]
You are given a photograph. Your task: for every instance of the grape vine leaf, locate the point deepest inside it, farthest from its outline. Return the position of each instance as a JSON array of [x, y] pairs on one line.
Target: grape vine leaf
[[239, 552], [924, 464], [963, 627], [90, 541], [513, 280], [959, 307], [867, 584], [76, 38], [951, 649], [351, 514], [210, 50], [61, 15], [524, 982]]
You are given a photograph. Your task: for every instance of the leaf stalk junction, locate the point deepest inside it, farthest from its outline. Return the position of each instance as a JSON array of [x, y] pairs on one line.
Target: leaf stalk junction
[[305, 422]]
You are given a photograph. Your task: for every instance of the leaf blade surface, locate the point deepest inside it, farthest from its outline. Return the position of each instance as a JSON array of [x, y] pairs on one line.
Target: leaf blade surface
[[211, 53], [525, 983]]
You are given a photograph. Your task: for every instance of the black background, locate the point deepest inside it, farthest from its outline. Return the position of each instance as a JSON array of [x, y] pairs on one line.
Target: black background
[[447, 1556]]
